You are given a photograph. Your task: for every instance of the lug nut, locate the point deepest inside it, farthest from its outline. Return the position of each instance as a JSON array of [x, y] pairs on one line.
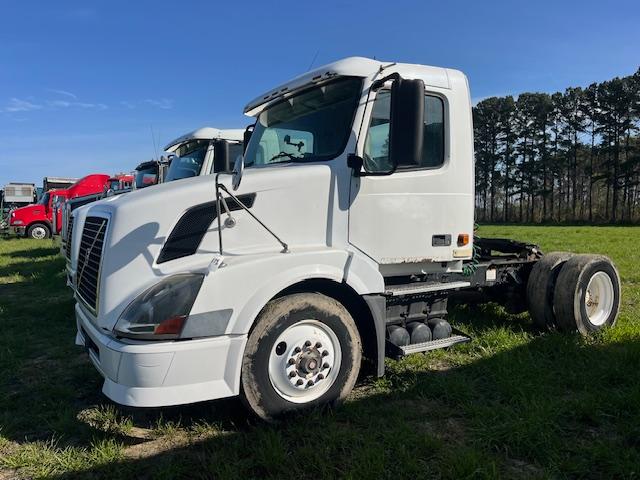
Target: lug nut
[[318, 345], [297, 350], [325, 365], [307, 343], [320, 376], [310, 383], [292, 374], [325, 353], [292, 361], [299, 383]]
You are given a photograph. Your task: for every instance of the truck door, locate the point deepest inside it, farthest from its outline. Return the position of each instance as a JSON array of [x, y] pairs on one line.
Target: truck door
[[415, 214]]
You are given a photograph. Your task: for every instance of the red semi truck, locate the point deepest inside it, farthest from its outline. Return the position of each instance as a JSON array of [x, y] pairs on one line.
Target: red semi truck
[[37, 221]]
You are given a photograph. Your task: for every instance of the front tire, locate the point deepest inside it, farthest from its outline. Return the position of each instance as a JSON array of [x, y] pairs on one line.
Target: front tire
[[38, 231], [305, 351], [587, 295]]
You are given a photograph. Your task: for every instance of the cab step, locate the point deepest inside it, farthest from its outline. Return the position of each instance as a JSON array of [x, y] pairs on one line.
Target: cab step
[[422, 287], [395, 351]]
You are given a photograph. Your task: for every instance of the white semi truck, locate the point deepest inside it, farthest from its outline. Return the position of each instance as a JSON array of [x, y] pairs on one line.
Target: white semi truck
[[339, 235]]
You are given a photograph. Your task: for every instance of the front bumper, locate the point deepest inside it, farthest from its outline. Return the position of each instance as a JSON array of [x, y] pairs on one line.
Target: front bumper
[[155, 374], [17, 230]]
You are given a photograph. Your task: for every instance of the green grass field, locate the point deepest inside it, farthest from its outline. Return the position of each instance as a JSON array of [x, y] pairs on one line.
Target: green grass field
[[514, 403]]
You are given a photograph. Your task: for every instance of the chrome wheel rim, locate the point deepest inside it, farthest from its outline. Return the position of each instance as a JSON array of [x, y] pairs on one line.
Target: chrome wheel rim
[[38, 233], [599, 298], [304, 361]]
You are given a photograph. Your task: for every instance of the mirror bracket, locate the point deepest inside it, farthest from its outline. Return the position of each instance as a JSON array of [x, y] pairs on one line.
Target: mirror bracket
[[355, 163]]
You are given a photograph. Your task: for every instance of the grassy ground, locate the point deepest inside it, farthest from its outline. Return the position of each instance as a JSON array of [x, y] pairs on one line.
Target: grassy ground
[[514, 403]]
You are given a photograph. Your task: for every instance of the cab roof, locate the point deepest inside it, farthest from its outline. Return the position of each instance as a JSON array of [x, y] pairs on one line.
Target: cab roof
[[206, 133], [354, 67]]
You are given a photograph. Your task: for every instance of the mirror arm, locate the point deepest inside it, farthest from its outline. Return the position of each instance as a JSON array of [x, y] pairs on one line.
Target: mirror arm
[[220, 186], [379, 83], [219, 213]]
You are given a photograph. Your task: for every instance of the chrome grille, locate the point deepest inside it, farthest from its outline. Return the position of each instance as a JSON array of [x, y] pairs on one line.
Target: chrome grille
[[89, 260], [68, 235]]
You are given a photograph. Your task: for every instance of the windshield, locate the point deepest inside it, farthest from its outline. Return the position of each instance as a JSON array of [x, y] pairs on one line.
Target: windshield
[[146, 177], [309, 127], [188, 161], [44, 200]]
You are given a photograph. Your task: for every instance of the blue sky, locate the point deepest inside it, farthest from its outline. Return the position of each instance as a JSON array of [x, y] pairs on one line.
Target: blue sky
[[84, 83]]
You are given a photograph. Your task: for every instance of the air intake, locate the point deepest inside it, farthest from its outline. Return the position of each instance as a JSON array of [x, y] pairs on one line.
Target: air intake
[[186, 236]]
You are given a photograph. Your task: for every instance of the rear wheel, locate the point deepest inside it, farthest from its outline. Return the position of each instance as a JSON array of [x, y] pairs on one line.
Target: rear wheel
[[38, 231], [304, 351], [540, 288], [587, 294]]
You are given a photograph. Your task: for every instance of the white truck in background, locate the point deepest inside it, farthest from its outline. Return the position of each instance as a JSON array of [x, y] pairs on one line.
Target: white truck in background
[[342, 232], [200, 152], [204, 151]]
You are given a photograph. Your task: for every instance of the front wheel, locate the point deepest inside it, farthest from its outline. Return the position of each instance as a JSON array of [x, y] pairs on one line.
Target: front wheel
[[38, 231], [304, 351]]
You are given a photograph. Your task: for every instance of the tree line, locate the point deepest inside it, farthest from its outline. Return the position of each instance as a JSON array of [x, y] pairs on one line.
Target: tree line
[[566, 157]]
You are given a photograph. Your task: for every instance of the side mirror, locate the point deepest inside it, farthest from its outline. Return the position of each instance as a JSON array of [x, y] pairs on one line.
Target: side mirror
[[221, 160], [238, 169], [407, 122]]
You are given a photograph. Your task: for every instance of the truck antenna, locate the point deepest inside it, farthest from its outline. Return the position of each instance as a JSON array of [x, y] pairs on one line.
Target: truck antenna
[[153, 140], [314, 60]]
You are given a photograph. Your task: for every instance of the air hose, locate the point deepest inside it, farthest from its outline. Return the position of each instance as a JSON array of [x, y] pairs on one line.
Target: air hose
[[472, 267]]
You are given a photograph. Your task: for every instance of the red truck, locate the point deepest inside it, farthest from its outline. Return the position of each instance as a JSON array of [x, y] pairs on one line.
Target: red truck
[[37, 221]]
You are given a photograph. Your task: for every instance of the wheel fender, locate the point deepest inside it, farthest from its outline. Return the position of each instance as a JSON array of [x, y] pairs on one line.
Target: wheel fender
[[244, 286], [247, 315]]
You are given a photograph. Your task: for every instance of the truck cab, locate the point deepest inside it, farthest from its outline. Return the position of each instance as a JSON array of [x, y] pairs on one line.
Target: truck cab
[[203, 152], [34, 221], [341, 233], [43, 219], [150, 173], [120, 182]]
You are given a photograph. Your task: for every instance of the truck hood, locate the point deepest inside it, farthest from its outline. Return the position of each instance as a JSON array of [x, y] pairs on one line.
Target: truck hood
[[140, 223], [27, 213]]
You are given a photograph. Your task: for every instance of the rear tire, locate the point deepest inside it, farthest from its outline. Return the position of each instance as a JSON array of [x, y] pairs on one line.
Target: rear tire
[[540, 288], [304, 351], [587, 295], [38, 231]]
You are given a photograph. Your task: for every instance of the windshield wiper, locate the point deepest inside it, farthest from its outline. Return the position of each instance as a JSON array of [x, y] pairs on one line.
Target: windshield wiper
[[290, 156]]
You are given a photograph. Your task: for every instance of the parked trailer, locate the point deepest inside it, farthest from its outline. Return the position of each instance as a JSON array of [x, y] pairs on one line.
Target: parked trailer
[[14, 195], [343, 232]]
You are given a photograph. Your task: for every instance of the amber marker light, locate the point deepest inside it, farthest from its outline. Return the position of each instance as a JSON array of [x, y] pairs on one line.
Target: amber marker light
[[463, 239]]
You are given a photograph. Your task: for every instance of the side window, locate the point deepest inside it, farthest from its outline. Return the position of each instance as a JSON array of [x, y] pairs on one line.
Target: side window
[[235, 149], [376, 149], [433, 144]]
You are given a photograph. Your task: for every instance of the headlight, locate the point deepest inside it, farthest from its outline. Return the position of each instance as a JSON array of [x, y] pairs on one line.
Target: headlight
[[161, 311]]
